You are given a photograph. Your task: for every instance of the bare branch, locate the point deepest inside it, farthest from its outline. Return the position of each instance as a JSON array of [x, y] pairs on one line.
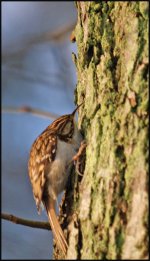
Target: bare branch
[[24, 222], [26, 109]]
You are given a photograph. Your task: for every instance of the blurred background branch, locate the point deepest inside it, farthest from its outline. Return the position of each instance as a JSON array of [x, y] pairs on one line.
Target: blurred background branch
[[27, 109], [25, 222]]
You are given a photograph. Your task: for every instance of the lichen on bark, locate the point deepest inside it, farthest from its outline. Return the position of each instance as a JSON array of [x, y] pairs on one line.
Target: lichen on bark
[[111, 202]]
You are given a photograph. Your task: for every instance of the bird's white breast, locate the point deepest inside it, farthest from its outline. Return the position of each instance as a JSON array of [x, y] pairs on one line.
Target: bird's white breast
[[60, 168]]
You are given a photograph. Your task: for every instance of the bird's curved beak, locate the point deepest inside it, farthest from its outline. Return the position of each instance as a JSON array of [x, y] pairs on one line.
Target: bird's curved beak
[[76, 109]]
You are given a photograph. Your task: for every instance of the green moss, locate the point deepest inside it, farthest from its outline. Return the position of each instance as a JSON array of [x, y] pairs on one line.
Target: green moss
[[144, 8], [105, 8], [143, 101], [97, 7], [79, 33], [74, 58], [75, 96], [135, 163], [108, 36], [87, 229], [142, 40], [111, 5], [119, 241], [98, 203]]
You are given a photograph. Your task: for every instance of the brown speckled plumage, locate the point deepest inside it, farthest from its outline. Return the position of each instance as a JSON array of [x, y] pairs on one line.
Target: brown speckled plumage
[[49, 166]]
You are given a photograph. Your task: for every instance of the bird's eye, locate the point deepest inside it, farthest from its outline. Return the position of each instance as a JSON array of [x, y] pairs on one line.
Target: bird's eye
[[67, 128]]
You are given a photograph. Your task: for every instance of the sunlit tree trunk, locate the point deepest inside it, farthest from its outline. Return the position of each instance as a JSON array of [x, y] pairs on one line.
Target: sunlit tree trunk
[[107, 208]]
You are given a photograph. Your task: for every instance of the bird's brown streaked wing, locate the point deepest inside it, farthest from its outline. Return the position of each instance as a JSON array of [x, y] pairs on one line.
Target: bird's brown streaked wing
[[42, 154]]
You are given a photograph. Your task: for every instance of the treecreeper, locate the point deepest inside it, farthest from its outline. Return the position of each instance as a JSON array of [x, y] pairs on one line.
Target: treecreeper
[[50, 163]]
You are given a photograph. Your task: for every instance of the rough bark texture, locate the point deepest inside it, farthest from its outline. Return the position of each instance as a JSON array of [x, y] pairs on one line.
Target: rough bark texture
[[107, 212]]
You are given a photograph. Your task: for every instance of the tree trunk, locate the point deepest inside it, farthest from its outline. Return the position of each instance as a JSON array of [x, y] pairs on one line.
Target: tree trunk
[[107, 208]]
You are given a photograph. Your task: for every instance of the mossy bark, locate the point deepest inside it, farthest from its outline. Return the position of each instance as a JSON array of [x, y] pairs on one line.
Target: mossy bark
[[108, 213]]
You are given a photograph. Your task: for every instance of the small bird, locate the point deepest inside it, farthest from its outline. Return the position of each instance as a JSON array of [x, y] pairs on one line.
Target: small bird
[[50, 162]]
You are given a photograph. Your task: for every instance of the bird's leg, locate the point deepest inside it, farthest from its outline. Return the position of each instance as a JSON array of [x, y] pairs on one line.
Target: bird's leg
[[79, 158]]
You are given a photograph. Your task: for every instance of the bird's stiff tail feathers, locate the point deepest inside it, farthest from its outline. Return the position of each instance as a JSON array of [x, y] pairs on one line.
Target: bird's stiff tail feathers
[[55, 226]]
